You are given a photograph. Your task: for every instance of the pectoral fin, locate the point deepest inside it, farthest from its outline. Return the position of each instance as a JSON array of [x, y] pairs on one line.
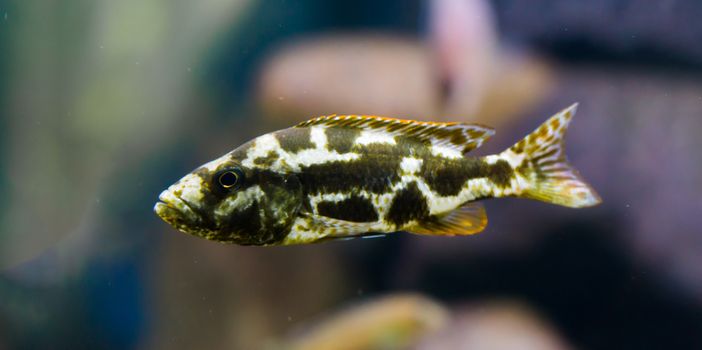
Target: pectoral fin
[[323, 228], [466, 220]]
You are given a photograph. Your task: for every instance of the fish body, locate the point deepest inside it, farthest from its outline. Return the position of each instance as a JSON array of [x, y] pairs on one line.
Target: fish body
[[348, 176]]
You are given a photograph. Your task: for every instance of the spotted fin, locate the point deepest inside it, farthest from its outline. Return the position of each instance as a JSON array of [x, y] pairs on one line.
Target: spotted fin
[[466, 220], [551, 178], [458, 136]]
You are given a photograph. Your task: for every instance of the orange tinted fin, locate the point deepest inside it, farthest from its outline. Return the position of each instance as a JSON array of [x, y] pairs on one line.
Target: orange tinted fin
[[458, 136], [466, 220], [551, 178]]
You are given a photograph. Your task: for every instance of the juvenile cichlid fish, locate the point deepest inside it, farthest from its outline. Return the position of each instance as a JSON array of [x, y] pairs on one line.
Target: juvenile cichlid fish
[[345, 176]]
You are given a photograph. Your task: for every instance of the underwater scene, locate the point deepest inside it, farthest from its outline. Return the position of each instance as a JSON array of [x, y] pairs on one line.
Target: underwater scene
[[358, 175]]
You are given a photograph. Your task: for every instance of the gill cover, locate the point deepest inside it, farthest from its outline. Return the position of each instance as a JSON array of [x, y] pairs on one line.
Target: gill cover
[[261, 212]]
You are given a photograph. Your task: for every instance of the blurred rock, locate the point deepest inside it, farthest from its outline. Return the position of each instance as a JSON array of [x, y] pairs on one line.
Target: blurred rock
[[393, 77], [497, 325], [411, 321], [460, 74], [351, 74], [392, 322], [519, 83]]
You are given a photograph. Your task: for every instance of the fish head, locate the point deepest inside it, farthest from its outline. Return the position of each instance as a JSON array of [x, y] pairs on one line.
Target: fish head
[[227, 202]]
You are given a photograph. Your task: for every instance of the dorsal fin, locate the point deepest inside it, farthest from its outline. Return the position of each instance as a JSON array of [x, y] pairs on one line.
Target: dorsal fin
[[466, 220], [459, 136]]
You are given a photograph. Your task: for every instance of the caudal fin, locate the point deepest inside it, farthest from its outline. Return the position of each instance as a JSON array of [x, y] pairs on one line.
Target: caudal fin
[[550, 177]]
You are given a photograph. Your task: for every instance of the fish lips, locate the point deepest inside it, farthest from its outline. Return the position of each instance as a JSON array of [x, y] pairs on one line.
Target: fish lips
[[176, 211]]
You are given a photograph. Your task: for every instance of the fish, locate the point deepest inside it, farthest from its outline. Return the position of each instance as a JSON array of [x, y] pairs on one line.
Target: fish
[[344, 176]]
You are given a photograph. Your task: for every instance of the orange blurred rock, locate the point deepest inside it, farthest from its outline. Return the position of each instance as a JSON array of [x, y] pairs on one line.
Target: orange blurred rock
[[459, 73], [392, 322], [393, 76], [520, 83], [346, 74]]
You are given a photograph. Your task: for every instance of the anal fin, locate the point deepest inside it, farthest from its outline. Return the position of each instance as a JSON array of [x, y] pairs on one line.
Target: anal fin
[[466, 220]]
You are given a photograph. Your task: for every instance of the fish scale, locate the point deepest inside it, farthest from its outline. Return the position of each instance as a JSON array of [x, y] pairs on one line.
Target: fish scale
[[349, 176]]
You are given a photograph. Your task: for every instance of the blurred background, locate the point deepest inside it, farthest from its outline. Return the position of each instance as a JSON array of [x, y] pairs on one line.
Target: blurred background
[[105, 103]]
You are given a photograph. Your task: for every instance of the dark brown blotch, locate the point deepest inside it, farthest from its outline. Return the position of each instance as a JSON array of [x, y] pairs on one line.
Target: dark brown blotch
[[555, 123], [268, 219], [519, 147], [411, 147], [354, 209], [409, 204], [294, 139], [242, 226], [500, 173], [524, 168], [542, 132], [280, 204], [375, 171], [469, 146], [268, 159], [475, 133], [341, 140], [447, 177], [457, 137], [240, 152]]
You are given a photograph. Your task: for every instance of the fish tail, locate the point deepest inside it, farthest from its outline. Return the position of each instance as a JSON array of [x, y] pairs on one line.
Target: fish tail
[[550, 178]]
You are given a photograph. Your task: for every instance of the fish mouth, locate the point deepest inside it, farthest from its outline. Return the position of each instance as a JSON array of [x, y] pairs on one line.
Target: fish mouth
[[174, 210]]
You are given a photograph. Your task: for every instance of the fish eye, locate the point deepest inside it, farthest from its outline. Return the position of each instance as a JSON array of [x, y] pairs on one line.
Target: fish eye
[[230, 178]]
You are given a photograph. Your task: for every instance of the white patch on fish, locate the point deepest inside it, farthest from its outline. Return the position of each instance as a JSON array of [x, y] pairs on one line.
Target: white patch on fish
[[368, 137], [214, 164], [318, 156], [260, 148], [446, 152], [190, 188], [411, 165], [241, 201], [318, 137]]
